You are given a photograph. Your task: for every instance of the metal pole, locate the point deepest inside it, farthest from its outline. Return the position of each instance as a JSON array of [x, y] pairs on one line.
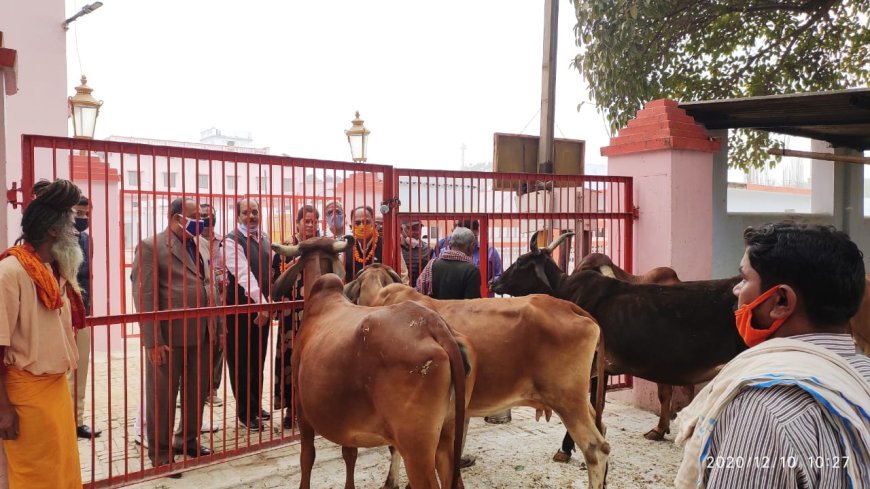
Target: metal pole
[[546, 164]]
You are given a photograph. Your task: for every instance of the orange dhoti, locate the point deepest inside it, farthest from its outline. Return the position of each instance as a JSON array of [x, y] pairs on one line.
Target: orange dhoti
[[46, 453]]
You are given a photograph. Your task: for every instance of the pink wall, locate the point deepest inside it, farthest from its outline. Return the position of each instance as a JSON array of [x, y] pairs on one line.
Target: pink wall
[[34, 30], [670, 159]]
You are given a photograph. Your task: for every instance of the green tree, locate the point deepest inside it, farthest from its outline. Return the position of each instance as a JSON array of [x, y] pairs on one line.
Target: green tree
[[634, 51]]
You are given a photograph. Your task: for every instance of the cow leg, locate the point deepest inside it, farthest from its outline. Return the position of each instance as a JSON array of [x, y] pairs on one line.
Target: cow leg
[[419, 462], [306, 457], [564, 454], [349, 455], [393, 474], [581, 424], [444, 457], [666, 392]]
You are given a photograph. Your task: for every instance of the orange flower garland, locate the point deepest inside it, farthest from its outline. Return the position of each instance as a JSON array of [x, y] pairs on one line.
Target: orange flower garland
[[357, 247]]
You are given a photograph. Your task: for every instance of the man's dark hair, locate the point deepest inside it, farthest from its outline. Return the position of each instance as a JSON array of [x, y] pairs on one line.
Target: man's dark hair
[[369, 211], [239, 205], [175, 207], [84, 201], [823, 265], [474, 225], [305, 209], [51, 208]]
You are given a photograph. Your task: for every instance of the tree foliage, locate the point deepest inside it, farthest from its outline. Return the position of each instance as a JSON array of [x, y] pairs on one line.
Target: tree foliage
[[634, 51]]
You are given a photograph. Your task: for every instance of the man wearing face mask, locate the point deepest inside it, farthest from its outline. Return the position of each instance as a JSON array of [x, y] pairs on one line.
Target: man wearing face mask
[[176, 349], [78, 378], [368, 245], [335, 227], [792, 411], [248, 259], [415, 251]]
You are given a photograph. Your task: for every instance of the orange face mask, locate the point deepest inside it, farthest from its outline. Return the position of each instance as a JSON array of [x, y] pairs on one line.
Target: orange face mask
[[743, 314]]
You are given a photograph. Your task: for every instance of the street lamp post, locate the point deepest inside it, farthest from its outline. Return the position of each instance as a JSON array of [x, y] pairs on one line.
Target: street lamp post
[[357, 137], [84, 109]]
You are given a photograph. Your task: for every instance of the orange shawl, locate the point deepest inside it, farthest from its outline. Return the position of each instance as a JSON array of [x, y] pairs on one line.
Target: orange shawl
[[46, 286]]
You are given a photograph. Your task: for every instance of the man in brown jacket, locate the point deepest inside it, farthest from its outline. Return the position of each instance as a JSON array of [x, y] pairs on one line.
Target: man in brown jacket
[[176, 349]]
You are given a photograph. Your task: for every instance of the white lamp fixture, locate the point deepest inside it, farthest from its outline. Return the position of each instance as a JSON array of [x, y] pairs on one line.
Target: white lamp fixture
[[357, 137], [84, 109]]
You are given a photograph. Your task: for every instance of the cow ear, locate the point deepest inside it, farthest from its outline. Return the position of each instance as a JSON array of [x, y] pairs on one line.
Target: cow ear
[[351, 291], [539, 272]]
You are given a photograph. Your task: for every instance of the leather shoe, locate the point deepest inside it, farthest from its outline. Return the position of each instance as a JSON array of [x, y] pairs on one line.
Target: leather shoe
[[288, 423], [85, 431], [194, 452], [253, 425], [265, 415]]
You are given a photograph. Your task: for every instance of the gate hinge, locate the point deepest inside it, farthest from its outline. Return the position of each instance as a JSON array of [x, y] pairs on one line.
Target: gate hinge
[[12, 195], [635, 212]]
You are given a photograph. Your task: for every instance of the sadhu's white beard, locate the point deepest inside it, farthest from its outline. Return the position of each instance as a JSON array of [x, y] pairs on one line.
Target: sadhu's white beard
[[69, 257]]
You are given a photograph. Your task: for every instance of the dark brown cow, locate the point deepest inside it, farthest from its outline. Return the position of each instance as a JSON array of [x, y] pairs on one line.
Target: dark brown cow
[[676, 334], [365, 377], [531, 351], [661, 276]]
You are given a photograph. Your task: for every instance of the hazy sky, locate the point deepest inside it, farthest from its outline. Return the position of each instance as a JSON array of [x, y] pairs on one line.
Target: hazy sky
[[427, 77]]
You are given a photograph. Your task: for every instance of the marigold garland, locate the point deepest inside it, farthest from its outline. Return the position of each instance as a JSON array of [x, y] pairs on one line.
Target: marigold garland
[[357, 247]]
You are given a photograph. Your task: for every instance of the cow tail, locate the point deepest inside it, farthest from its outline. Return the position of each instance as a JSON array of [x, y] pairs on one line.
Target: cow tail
[[602, 382], [442, 333]]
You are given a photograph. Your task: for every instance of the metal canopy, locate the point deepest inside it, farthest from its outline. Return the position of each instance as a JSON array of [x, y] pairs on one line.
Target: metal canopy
[[841, 117]]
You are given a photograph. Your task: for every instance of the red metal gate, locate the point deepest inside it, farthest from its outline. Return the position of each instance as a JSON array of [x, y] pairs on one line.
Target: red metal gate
[[131, 187]]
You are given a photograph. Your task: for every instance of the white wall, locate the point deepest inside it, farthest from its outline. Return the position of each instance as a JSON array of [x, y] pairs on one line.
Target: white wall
[[34, 30]]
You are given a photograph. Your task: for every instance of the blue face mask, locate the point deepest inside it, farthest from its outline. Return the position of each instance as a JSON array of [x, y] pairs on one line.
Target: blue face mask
[[335, 220], [194, 226]]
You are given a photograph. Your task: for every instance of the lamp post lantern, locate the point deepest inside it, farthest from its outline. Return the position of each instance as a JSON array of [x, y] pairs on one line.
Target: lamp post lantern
[[84, 109], [357, 137]]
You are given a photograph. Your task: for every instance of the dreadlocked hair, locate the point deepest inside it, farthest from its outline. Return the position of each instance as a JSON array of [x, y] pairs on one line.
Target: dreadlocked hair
[[51, 207]]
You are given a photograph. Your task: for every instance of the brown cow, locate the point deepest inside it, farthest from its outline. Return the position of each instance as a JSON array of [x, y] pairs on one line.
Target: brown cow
[[661, 276], [532, 351], [669, 334], [365, 377]]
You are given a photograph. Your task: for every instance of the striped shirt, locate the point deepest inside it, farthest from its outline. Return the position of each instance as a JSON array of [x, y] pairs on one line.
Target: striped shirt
[[780, 436]]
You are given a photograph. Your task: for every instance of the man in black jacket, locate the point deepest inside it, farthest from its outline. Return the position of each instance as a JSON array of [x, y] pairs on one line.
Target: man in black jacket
[[415, 250]]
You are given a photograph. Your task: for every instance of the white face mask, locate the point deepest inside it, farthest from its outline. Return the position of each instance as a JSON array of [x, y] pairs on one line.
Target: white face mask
[[413, 242]]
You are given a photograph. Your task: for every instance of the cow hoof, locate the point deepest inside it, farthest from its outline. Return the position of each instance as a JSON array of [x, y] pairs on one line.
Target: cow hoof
[[656, 434], [561, 456]]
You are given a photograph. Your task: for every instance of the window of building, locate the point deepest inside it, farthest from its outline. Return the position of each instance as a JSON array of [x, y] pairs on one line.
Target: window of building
[[169, 179], [133, 178], [231, 182], [287, 185], [202, 181]]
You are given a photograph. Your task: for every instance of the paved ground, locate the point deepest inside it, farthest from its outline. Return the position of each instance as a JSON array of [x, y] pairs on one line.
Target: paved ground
[[508, 456]]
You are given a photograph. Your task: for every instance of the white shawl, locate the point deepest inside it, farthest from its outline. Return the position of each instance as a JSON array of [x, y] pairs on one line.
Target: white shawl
[[828, 377]]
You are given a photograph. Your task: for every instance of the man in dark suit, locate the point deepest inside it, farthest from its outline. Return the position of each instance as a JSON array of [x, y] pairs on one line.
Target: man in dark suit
[[177, 349]]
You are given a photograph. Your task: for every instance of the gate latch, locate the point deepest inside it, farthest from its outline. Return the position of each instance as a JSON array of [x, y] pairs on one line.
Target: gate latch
[[12, 195]]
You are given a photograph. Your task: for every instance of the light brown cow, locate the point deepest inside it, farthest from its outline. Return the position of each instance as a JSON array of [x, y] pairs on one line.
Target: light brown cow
[[365, 377], [532, 351], [859, 325]]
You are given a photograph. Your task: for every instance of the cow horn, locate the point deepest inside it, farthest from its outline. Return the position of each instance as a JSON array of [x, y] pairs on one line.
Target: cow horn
[[607, 271], [533, 243], [284, 283], [340, 246], [290, 251], [395, 276], [556, 242]]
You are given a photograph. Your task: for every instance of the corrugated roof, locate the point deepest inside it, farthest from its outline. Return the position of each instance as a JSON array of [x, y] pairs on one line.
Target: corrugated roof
[[841, 117]]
